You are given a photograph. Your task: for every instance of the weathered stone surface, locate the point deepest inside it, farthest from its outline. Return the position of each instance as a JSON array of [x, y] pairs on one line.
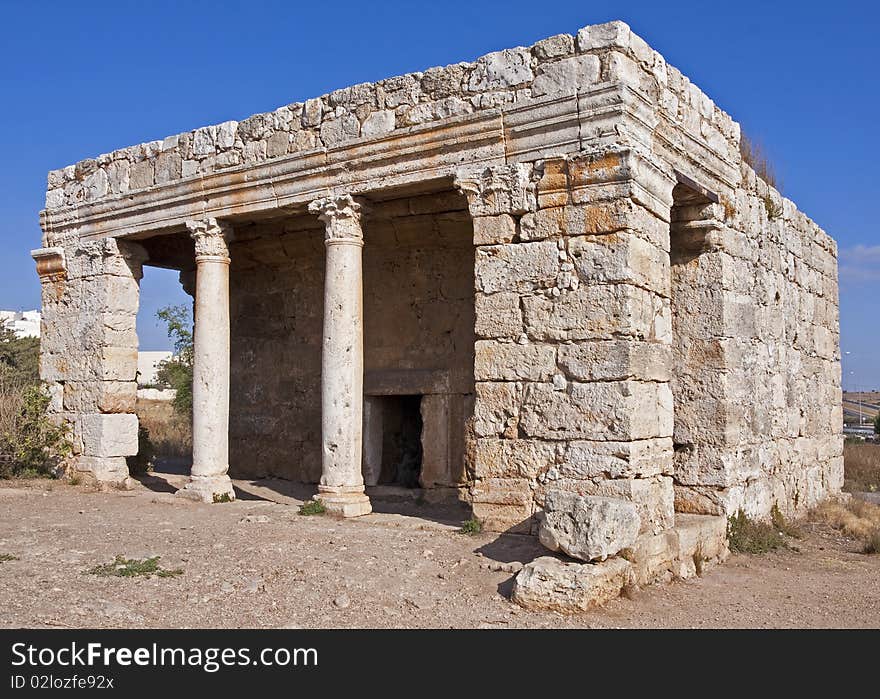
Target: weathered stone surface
[[501, 69], [554, 47], [497, 190], [104, 469], [503, 504], [566, 76], [631, 459], [100, 396], [654, 497], [491, 230], [620, 258], [513, 458], [498, 316], [597, 312], [520, 267], [510, 361], [540, 267], [587, 527], [690, 548], [497, 410], [552, 584], [615, 360], [606, 410], [378, 123], [110, 435]]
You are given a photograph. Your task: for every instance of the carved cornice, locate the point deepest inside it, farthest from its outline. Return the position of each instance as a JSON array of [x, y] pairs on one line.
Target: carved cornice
[[599, 117], [212, 238]]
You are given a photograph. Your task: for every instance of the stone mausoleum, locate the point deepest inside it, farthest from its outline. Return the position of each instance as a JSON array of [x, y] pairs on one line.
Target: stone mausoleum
[[549, 270]]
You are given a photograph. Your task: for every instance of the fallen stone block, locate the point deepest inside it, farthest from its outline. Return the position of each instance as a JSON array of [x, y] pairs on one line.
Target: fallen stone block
[[568, 587], [588, 527]]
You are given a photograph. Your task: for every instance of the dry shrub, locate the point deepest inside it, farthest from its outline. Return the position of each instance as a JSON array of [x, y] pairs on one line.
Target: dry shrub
[[169, 432], [755, 156], [11, 404], [861, 467], [856, 519]]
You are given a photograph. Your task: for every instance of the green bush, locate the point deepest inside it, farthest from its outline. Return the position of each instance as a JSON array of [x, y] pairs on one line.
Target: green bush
[[123, 567], [783, 525], [312, 507], [177, 372], [19, 358], [472, 527], [745, 535], [31, 444]]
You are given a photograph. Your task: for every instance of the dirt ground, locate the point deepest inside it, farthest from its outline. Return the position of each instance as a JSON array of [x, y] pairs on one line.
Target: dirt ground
[[258, 563]]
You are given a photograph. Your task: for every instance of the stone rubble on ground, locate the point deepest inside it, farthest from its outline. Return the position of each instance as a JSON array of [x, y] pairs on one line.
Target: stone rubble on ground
[[587, 527]]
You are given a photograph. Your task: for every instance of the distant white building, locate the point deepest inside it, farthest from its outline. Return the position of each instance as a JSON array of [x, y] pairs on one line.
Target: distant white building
[[148, 366], [22, 323], [27, 324]]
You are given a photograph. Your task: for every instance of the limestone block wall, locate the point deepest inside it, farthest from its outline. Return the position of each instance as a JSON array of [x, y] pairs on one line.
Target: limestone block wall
[[607, 358], [775, 434], [755, 314], [573, 337], [88, 349], [418, 332], [276, 307]]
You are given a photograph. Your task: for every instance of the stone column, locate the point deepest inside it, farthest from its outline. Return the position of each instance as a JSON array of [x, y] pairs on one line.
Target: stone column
[[342, 360], [209, 481]]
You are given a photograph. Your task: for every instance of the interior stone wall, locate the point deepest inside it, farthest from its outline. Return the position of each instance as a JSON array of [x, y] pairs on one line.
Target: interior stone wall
[[418, 331]]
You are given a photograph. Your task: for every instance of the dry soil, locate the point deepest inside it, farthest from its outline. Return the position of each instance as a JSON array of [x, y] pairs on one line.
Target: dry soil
[[258, 563]]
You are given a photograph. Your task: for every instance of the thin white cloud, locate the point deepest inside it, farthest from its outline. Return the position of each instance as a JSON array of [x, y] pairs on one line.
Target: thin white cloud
[[860, 263]]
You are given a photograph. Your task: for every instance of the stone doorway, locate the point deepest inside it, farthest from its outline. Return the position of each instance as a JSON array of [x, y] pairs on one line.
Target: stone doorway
[[393, 441]]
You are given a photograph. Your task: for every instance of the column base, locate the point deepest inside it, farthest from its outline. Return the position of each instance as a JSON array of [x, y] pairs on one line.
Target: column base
[[344, 501], [208, 489]]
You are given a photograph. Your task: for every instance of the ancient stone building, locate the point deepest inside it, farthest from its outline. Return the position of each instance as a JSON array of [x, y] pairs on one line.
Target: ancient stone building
[[548, 269]]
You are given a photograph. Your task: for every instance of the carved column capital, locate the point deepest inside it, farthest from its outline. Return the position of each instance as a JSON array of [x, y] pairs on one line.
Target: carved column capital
[[51, 264], [497, 189], [212, 238], [342, 218]]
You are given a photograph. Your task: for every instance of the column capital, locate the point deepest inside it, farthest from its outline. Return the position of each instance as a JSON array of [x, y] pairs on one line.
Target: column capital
[[51, 263], [342, 218], [212, 238], [492, 190]]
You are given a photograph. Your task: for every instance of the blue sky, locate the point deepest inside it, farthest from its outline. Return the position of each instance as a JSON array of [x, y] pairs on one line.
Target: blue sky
[[79, 79]]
